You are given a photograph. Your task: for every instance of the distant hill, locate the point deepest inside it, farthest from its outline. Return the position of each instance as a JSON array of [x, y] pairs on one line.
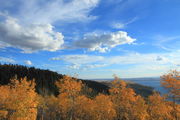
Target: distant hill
[[45, 80], [145, 82], [142, 90]]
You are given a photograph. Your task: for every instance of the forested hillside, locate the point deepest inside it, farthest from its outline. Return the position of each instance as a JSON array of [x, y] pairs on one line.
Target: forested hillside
[[19, 101], [35, 94], [44, 79]]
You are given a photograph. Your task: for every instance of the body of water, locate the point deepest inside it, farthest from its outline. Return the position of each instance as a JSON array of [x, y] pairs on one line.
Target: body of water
[[152, 82]]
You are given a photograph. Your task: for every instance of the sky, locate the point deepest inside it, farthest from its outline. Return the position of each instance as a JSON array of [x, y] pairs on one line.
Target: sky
[[92, 39]]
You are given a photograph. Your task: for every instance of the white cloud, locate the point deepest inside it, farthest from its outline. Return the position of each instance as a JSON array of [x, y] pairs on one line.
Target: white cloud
[[7, 60], [168, 43], [74, 66], [31, 38], [162, 39], [160, 58], [86, 66], [171, 59], [96, 65], [142, 71], [57, 10], [118, 25], [122, 25], [137, 58], [31, 27], [28, 62], [130, 58], [103, 42], [82, 62], [79, 59], [151, 61]]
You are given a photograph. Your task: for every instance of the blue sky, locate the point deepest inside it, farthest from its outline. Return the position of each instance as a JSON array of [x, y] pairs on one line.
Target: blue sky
[[92, 38]]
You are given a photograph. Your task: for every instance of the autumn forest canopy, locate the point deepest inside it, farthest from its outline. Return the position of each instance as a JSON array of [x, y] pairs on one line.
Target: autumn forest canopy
[[21, 99]]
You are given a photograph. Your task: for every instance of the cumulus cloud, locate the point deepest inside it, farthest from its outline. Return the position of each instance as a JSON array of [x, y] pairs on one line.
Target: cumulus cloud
[[31, 38], [31, 27], [7, 60], [28, 62], [104, 42]]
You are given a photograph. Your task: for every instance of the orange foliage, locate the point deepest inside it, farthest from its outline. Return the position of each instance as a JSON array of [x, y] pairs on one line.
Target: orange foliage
[[84, 108], [69, 89], [171, 81], [3, 114], [139, 109], [73, 105], [127, 104], [104, 108], [159, 109], [48, 108], [70, 86], [18, 99], [178, 111]]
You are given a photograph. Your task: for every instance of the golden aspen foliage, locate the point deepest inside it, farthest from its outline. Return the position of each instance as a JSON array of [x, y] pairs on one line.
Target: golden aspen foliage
[[84, 108], [3, 114], [139, 109], [69, 86], [52, 111], [66, 106], [178, 111], [171, 82], [159, 109], [48, 108], [75, 106], [19, 99], [104, 108], [4, 95], [126, 102], [69, 89], [118, 83]]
